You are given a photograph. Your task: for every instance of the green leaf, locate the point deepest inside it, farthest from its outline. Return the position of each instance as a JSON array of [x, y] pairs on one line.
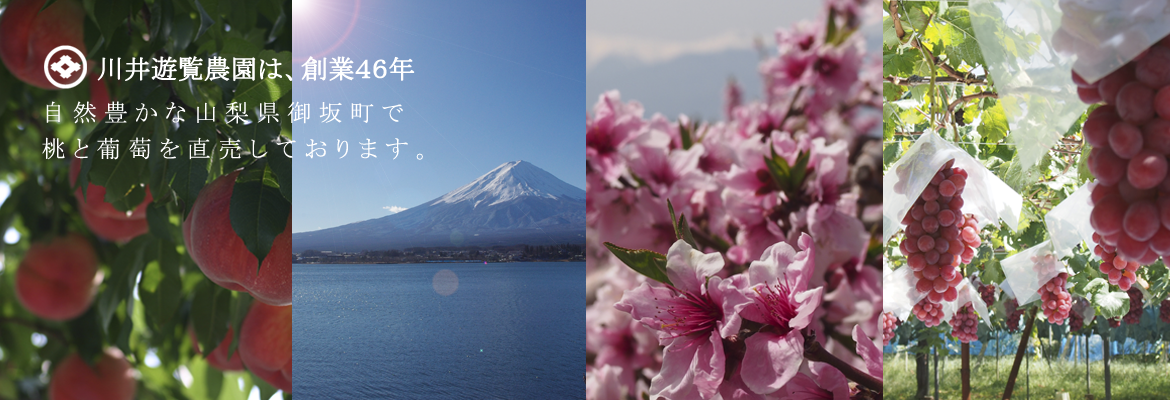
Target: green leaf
[[243, 13], [685, 133], [207, 381], [993, 271], [122, 177], [161, 289], [1112, 304], [241, 304], [47, 4], [210, 314], [281, 165], [182, 33], [111, 15], [261, 133], [645, 262], [205, 20], [266, 90], [788, 178], [189, 93], [188, 175], [889, 34], [682, 230], [124, 273], [258, 211], [126, 327], [160, 185], [993, 126], [87, 334], [87, 162], [1109, 304]]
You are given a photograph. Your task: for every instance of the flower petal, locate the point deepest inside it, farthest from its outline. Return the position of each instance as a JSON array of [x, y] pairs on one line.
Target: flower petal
[[830, 379], [605, 383], [868, 352], [688, 268], [734, 389], [808, 302], [771, 360], [691, 372], [802, 387], [772, 266], [725, 293], [644, 303]]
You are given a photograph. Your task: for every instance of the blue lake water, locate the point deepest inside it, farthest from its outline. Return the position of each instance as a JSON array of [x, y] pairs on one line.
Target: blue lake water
[[508, 331]]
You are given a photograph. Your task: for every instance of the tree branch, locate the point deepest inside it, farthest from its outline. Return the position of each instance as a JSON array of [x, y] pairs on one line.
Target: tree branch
[[55, 334], [897, 21], [916, 43], [813, 351], [970, 97], [916, 80]]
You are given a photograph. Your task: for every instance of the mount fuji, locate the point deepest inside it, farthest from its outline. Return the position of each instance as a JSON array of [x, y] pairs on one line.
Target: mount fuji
[[515, 203]]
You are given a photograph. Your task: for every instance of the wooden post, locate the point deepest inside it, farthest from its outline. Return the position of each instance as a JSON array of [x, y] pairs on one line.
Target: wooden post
[[936, 374], [1020, 350], [966, 371], [1087, 387], [1108, 381], [922, 372]]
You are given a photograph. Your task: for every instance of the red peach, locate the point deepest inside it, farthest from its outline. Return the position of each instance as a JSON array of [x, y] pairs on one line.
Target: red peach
[[57, 280], [266, 344], [222, 255]]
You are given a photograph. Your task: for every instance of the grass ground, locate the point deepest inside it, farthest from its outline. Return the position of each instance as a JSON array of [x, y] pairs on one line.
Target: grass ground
[[1131, 380]]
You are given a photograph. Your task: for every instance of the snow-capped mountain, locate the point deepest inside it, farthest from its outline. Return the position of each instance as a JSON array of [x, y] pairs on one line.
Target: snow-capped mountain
[[511, 181], [515, 203]]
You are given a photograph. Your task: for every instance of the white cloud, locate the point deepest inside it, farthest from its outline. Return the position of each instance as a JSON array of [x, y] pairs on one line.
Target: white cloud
[[652, 50], [394, 209]]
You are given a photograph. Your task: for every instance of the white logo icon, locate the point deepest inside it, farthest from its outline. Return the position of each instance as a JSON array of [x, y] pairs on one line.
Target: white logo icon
[[66, 67], [66, 72]]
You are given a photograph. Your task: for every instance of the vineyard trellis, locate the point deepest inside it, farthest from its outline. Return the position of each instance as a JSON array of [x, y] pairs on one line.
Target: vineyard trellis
[[937, 81]]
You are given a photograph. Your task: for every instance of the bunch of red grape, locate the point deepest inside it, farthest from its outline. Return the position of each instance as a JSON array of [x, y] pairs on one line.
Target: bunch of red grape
[[964, 325], [1114, 322], [1134, 316], [1164, 311], [1075, 321], [1013, 315], [889, 323], [987, 292], [929, 313], [938, 236], [1055, 300], [1119, 271], [1130, 135]]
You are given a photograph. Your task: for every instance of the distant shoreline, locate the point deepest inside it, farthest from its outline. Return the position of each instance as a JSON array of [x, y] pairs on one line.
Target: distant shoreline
[[436, 262], [471, 254]]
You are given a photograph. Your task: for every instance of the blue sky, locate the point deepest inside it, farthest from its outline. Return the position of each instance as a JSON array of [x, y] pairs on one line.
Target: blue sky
[[493, 82], [675, 56]]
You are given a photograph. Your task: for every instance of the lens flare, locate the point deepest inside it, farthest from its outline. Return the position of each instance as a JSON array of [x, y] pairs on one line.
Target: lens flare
[[322, 26]]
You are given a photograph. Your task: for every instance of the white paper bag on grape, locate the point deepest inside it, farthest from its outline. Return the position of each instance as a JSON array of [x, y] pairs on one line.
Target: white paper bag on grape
[[1027, 270], [1085, 309], [1006, 287], [967, 293], [1068, 223], [986, 196], [1106, 34], [898, 293], [1032, 79]]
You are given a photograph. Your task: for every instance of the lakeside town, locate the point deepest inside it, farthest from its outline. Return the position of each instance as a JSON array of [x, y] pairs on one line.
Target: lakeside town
[[496, 254]]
